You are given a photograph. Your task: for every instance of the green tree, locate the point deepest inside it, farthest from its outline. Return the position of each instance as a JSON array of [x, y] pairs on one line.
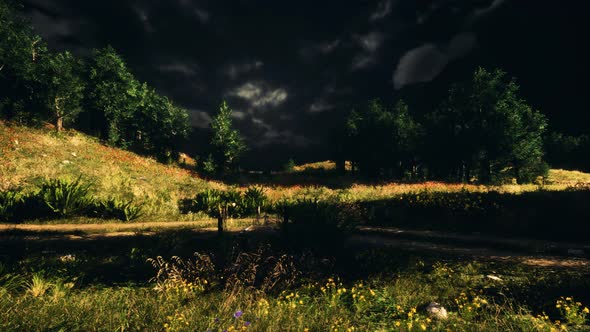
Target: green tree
[[382, 141], [227, 145], [63, 87], [485, 131], [159, 126], [20, 54], [113, 96]]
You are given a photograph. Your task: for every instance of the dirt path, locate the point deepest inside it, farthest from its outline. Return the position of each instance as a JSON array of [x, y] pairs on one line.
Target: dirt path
[[472, 246], [112, 227]]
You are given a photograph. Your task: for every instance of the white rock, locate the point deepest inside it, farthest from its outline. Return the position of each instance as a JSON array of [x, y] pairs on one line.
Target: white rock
[[65, 162], [74, 154], [493, 277], [437, 311]]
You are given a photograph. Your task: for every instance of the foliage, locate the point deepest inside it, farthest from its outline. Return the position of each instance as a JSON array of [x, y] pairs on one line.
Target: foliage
[[381, 141], [62, 87], [573, 312], [227, 144], [289, 165], [113, 97], [21, 52], [217, 204], [37, 86], [568, 152], [159, 127], [493, 133], [207, 166], [115, 208], [62, 198], [260, 290], [253, 201], [317, 222], [9, 201], [66, 198]]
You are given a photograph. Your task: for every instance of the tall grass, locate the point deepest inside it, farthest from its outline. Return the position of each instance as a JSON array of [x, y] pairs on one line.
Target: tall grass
[[473, 302]]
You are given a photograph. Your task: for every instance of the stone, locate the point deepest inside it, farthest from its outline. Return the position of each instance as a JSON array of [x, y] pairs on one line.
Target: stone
[[437, 311], [493, 277]]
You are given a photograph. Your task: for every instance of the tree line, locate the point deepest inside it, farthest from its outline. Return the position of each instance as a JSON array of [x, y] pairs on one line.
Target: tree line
[[97, 94], [482, 132]]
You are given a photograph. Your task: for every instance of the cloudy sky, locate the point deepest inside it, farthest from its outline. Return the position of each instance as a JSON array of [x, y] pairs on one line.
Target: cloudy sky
[[291, 70]]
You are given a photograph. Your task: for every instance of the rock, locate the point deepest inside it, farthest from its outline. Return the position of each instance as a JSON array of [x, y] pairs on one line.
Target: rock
[[74, 154], [436, 311], [65, 162], [493, 277]]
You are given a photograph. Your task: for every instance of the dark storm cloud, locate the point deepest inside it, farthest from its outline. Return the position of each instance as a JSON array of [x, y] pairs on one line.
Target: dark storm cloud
[[199, 119], [424, 63], [383, 10], [290, 70]]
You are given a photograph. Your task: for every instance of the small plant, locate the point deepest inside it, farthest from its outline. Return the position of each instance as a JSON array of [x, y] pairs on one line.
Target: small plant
[[207, 166], [9, 202], [574, 313], [217, 204], [254, 200], [289, 166], [66, 198], [38, 286], [181, 275], [118, 209]]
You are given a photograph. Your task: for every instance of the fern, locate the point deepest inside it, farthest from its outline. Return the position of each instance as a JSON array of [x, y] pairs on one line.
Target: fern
[[66, 198]]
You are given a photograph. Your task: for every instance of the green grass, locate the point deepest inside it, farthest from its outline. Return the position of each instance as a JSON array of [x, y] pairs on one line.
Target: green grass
[[523, 300], [90, 274], [29, 156]]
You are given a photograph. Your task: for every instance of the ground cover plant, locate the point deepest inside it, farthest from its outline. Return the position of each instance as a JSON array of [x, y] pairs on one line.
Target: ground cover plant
[[270, 288]]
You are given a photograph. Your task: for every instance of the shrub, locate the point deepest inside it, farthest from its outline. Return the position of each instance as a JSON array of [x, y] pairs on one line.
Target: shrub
[[117, 209], [66, 198], [254, 201], [9, 202], [316, 221], [216, 204]]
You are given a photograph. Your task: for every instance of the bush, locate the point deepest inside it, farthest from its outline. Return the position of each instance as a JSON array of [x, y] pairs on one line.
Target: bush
[[66, 198], [114, 208], [314, 221], [254, 201], [9, 202]]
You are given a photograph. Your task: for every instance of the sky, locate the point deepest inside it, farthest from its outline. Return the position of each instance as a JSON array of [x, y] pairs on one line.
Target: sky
[[292, 70]]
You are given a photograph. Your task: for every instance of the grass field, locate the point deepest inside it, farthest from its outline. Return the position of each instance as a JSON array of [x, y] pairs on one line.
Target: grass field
[[88, 274]]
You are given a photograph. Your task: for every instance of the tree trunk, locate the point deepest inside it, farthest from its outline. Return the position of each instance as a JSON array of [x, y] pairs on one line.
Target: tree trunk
[[220, 225], [59, 119]]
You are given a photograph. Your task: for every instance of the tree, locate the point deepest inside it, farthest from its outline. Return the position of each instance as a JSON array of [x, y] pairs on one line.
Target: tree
[[113, 97], [63, 87], [20, 55], [382, 141], [484, 131], [227, 144], [159, 127]]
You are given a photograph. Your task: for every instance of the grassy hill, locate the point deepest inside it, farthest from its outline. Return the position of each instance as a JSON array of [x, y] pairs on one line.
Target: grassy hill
[[30, 155]]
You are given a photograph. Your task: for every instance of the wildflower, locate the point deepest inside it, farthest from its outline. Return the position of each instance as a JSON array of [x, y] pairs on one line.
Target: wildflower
[[247, 324], [238, 314], [586, 310]]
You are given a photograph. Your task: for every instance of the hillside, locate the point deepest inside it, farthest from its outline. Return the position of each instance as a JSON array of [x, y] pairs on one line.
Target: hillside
[[29, 155]]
